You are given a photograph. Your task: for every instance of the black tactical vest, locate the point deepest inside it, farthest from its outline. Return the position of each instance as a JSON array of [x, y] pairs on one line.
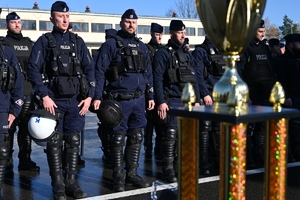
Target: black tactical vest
[[63, 66], [7, 73], [22, 49], [180, 70], [216, 65], [258, 67], [133, 59], [152, 51]]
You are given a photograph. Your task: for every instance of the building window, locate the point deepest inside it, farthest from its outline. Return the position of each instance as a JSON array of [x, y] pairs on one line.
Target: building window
[[166, 30], [28, 25], [201, 32], [96, 27], [80, 27], [143, 29], [117, 27], [46, 26], [190, 31], [2, 24]]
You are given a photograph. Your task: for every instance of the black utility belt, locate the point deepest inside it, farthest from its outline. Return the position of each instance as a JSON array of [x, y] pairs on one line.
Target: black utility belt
[[125, 96]]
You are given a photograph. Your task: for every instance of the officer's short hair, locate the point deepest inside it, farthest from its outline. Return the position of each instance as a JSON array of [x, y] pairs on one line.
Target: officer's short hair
[[12, 16], [59, 6]]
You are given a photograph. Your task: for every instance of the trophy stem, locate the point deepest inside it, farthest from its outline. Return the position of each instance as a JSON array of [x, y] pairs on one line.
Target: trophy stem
[[230, 93]]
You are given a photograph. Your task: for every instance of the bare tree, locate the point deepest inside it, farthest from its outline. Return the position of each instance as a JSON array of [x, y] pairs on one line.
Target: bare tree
[[183, 9], [271, 30]]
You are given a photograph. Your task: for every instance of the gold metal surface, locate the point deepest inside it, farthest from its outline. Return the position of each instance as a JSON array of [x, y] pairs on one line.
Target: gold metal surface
[[188, 129], [188, 96], [230, 25], [277, 97]]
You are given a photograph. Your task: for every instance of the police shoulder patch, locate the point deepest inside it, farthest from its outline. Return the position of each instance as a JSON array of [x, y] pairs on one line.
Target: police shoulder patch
[[19, 102]]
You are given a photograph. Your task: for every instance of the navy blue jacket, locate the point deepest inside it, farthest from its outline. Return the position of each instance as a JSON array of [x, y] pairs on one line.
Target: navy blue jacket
[[162, 60], [12, 101], [38, 57], [127, 83], [201, 57]]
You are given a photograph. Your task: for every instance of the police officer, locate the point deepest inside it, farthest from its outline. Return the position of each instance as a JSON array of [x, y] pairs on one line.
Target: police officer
[[287, 71], [11, 95], [61, 71], [22, 47], [210, 68], [154, 44], [103, 134], [260, 78], [124, 63], [173, 68], [274, 49]]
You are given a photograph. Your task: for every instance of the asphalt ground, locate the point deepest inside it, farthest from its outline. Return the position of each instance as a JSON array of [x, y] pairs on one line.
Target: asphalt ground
[[95, 177]]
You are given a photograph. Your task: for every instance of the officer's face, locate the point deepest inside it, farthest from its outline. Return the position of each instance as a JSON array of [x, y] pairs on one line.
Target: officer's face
[[60, 20], [14, 26], [128, 25], [275, 49], [296, 48], [157, 37], [178, 36], [260, 34]]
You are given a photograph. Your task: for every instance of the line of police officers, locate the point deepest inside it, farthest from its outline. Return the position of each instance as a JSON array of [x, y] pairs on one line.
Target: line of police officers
[[119, 84]]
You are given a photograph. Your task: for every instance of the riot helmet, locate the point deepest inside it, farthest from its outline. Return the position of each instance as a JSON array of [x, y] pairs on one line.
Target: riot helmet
[[41, 126], [110, 113]]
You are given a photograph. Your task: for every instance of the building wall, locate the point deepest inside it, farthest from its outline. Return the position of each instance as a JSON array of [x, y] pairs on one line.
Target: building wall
[[95, 39]]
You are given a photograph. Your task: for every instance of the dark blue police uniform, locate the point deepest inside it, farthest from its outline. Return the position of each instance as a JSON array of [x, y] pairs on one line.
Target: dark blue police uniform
[[61, 67], [123, 67], [11, 95], [102, 129], [153, 46], [168, 86], [210, 68], [22, 47], [260, 78], [288, 71]]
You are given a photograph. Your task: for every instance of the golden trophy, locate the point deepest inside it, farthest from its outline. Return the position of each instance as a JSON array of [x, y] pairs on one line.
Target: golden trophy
[[230, 26]]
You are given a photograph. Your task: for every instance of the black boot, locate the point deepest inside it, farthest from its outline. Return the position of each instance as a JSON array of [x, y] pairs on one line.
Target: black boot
[[259, 144], [71, 147], [10, 139], [117, 160], [204, 141], [249, 148], [148, 135], [104, 135], [132, 154], [81, 162], [294, 134], [214, 136], [24, 142], [168, 149], [54, 158], [158, 139], [4, 155]]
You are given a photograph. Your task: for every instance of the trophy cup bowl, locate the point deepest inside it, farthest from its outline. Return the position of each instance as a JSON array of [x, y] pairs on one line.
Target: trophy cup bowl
[[230, 25]]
